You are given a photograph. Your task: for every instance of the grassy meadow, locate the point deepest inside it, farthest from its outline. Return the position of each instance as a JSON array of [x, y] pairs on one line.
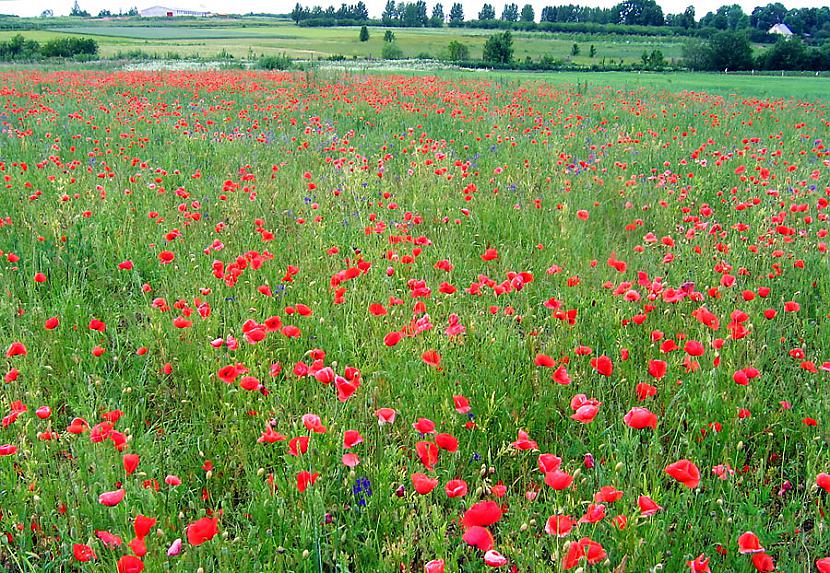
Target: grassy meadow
[[346, 321]]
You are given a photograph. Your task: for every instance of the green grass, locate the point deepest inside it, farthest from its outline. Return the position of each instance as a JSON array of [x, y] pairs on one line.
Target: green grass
[[807, 87], [269, 172]]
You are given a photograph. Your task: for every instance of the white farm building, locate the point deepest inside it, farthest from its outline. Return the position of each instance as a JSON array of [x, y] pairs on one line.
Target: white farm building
[[162, 12], [781, 30]]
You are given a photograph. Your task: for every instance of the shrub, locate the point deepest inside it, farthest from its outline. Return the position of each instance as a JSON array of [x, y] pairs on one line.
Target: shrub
[[18, 48], [281, 62], [69, 47], [391, 51], [458, 52]]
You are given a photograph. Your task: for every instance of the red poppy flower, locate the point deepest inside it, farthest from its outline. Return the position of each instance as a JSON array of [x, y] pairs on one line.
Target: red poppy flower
[[763, 563], [483, 513], [479, 537], [640, 418], [202, 530], [142, 525], [455, 488], [559, 525], [603, 365], [647, 506], [685, 472], [700, 564], [130, 564], [83, 553], [749, 543], [111, 498], [493, 558], [434, 566], [422, 483], [428, 453], [446, 442], [558, 480]]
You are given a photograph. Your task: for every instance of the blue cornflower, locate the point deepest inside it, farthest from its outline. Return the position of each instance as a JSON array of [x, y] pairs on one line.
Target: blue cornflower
[[362, 489]]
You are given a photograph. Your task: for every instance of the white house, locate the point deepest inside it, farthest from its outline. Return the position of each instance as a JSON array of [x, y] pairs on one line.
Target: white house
[[781, 30], [162, 12]]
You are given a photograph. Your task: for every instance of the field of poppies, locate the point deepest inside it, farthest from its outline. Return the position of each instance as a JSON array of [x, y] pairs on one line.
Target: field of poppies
[[309, 322]]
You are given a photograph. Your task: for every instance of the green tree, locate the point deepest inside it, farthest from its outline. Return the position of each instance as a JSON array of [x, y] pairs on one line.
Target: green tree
[[76, 11], [487, 12], [575, 49], [654, 60], [510, 13], [730, 17], [499, 48], [696, 54], [389, 36], [389, 13], [592, 51], [437, 18], [765, 17], [423, 19], [410, 18], [785, 54], [527, 15], [298, 13], [685, 20], [639, 13], [360, 12], [364, 34], [456, 15], [689, 17], [730, 51]]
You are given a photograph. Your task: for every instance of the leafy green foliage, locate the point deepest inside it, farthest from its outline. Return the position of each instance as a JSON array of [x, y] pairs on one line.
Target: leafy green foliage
[[499, 48], [278, 62], [487, 12], [19, 48], [458, 52], [391, 51], [69, 47]]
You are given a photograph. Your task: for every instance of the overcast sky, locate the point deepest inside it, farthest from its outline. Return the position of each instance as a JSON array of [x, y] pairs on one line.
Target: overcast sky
[[471, 7]]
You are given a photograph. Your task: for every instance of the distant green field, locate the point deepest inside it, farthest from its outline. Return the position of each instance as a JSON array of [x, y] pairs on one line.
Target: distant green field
[[206, 38], [175, 32], [805, 88]]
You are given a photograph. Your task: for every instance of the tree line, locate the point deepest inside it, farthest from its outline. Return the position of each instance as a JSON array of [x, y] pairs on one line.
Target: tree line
[[813, 23], [731, 50], [17, 48]]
